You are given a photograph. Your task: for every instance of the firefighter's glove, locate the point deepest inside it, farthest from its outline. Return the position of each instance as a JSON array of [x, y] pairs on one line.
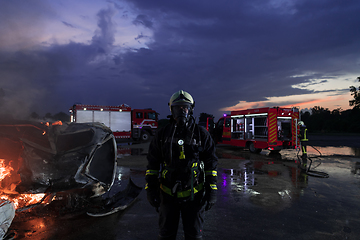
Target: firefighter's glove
[[153, 197], [209, 199]]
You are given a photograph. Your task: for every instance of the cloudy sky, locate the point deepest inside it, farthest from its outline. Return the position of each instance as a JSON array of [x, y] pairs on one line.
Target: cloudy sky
[[232, 54]]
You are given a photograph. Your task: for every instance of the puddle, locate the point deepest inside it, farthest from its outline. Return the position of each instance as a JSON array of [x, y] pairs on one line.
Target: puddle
[[267, 184]]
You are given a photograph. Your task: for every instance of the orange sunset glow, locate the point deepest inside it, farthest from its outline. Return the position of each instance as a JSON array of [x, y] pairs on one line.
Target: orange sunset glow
[[330, 102]]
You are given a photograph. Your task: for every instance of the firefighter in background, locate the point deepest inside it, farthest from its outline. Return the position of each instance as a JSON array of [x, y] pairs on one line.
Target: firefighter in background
[[181, 174], [303, 142]]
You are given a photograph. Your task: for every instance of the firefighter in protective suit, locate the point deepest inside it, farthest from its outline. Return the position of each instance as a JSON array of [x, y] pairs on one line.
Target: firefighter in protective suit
[[303, 141], [181, 174]]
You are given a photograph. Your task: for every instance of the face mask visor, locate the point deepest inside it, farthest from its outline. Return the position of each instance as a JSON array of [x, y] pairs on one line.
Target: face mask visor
[[181, 113]]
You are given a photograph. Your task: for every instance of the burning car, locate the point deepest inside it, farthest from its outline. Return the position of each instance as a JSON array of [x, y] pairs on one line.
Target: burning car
[[62, 167]]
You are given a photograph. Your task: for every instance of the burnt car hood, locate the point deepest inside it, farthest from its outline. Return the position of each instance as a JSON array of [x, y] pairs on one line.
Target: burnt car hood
[[51, 157]]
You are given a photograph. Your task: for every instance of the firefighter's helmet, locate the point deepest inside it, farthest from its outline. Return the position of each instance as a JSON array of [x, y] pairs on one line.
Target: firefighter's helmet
[[182, 98], [181, 106], [301, 123]]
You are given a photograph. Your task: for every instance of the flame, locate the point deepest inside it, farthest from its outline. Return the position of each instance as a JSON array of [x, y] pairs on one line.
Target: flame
[[9, 193], [3, 170], [57, 123], [22, 200], [54, 123]]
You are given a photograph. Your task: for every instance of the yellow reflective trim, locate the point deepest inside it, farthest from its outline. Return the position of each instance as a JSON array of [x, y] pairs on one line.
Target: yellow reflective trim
[[182, 154], [182, 194], [194, 165], [213, 173], [213, 186], [304, 150], [164, 173], [152, 172]]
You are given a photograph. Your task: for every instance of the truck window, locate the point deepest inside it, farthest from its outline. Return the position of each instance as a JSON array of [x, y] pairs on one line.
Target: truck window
[[152, 115], [139, 115], [227, 122]]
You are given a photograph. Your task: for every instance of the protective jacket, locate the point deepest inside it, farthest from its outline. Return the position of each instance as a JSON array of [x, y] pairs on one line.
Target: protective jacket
[[182, 161], [303, 134]]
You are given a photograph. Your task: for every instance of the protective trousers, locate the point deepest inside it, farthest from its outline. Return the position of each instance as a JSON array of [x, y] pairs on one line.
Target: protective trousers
[[191, 213], [304, 154]]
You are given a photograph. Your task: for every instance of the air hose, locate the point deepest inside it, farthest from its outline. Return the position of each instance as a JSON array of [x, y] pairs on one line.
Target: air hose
[[310, 172]]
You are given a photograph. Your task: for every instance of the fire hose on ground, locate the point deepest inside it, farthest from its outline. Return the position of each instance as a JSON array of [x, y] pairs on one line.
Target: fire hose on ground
[[308, 170]]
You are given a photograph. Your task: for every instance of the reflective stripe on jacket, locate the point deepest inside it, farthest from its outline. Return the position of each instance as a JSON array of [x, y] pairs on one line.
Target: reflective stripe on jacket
[[303, 132]]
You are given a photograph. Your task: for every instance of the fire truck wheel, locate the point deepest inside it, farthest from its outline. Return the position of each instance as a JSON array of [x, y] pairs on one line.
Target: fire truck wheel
[[252, 148], [145, 136]]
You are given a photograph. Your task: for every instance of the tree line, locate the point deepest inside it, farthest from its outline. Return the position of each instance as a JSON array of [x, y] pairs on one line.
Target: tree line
[[322, 120], [335, 121], [318, 120]]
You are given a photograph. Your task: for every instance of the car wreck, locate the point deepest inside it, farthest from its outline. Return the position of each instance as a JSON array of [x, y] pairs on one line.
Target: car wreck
[[61, 168]]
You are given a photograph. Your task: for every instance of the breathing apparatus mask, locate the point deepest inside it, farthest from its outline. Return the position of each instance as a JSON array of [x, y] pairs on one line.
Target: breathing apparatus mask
[[181, 114], [181, 106]]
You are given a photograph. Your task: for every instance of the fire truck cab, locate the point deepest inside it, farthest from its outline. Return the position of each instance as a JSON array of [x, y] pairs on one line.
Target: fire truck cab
[[261, 128], [125, 123]]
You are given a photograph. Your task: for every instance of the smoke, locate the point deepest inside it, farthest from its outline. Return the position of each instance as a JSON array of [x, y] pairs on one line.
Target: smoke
[[17, 104], [39, 78], [104, 37]]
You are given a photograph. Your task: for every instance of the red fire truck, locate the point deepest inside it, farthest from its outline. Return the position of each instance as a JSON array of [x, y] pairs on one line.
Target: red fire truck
[[126, 123], [261, 128]]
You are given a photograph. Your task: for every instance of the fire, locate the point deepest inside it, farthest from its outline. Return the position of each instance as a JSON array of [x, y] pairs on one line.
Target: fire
[[9, 193], [57, 123], [3, 170], [53, 124], [22, 200]]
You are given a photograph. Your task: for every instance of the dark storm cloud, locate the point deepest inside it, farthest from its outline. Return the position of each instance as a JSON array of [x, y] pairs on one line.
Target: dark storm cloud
[[143, 20], [226, 52], [222, 52]]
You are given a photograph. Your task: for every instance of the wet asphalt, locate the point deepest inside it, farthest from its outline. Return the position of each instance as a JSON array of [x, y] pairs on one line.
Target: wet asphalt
[[260, 196]]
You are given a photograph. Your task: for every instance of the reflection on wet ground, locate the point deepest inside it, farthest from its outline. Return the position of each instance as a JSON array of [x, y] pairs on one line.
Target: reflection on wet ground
[[268, 184], [261, 196], [266, 196], [287, 200]]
